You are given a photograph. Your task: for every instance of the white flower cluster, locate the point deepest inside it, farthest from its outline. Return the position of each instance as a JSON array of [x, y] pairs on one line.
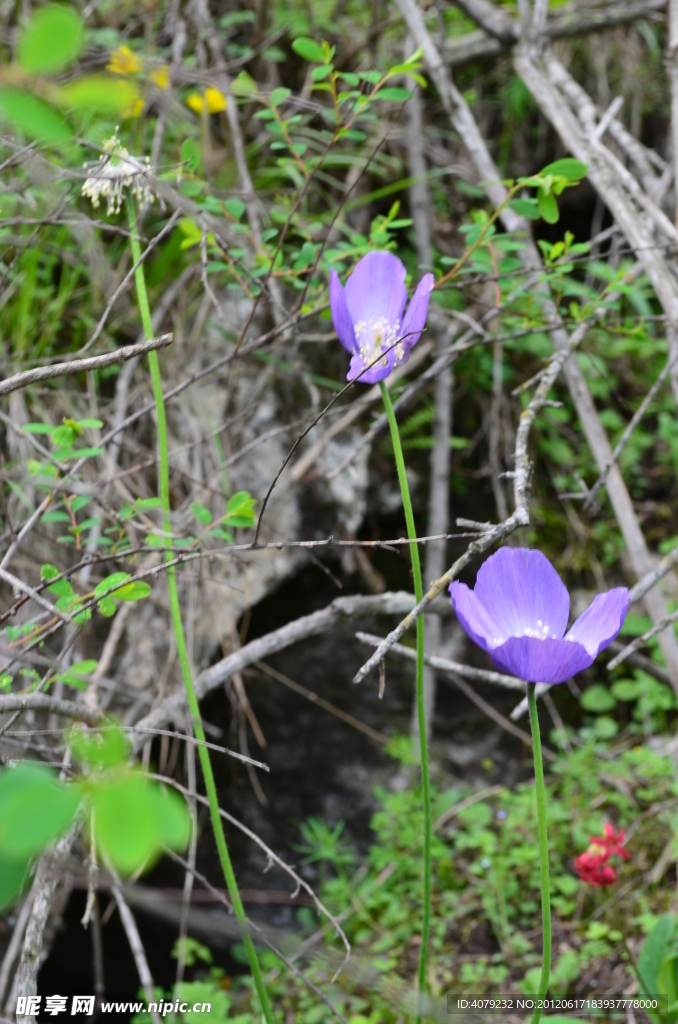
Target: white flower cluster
[[113, 173]]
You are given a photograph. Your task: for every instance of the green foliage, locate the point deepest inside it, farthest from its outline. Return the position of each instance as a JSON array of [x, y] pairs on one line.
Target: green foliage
[[32, 117], [134, 818], [51, 40], [658, 968], [310, 50], [486, 882], [325, 845], [34, 810]]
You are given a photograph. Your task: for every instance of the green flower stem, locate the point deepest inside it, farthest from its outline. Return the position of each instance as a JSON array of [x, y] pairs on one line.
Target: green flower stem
[[543, 848], [175, 610], [421, 714]]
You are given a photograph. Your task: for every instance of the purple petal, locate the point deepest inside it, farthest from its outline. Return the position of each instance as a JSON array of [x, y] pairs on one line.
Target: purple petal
[[341, 317], [474, 617], [376, 288], [522, 592], [415, 317], [376, 373], [599, 624], [541, 661]]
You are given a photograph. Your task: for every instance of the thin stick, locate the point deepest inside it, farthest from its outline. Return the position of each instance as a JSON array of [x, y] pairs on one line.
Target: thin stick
[[135, 943], [119, 355], [14, 944]]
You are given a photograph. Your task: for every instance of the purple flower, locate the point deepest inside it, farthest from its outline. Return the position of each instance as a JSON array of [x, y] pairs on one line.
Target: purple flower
[[368, 315], [518, 613]]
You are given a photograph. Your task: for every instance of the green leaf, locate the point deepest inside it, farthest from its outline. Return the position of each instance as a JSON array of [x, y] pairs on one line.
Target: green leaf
[[51, 40], [133, 592], [219, 534], [90, 424], [37, 428], [652, 956], [80, 502], [62, 588], [77, 675], [114, 580], [244, 85], [81, 453], [105, 748], [605, 727], [56, 516], [134, 818], [202, 514], [12, 875], [34, 809], [627, 689], [103, 94], [81, 617], [190, 155], [548, 207], [32, 116], [394, 93], [235, 207], [107, 607], [240, 501], [598, 698], [64, 436], [525, 208], [573, 170], [279, 96], [49, 571], [309, 50], [190, 188], [143, 504]]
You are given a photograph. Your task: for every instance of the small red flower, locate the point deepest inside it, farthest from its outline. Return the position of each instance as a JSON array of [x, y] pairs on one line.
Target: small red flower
[[611, 842], [592, 866]]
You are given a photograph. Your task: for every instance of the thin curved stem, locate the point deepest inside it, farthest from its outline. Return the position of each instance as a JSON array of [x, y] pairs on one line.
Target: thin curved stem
[[543, 849], [175, 610], [421, 714]]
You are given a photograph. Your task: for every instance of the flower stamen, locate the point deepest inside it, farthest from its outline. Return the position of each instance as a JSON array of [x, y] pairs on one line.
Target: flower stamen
[[376, 336]]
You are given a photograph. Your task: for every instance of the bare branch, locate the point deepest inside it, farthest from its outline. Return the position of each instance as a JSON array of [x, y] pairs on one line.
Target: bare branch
[[119, 355], [495, 37], [19, 585], [56, 706], [135, 943], [340, 610]]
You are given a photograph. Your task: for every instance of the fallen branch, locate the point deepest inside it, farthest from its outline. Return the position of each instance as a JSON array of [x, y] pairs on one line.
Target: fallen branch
[[342, 609], [119, 355], [498, 35]]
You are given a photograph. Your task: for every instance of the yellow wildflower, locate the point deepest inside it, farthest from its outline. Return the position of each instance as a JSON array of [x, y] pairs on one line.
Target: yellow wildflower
[[213, 99], [134, 108], [160, 76], [124, 62], [216, 101]]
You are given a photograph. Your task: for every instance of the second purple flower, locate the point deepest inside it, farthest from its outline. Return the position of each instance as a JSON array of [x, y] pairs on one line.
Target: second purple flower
[[518, 613], [368, 315]]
